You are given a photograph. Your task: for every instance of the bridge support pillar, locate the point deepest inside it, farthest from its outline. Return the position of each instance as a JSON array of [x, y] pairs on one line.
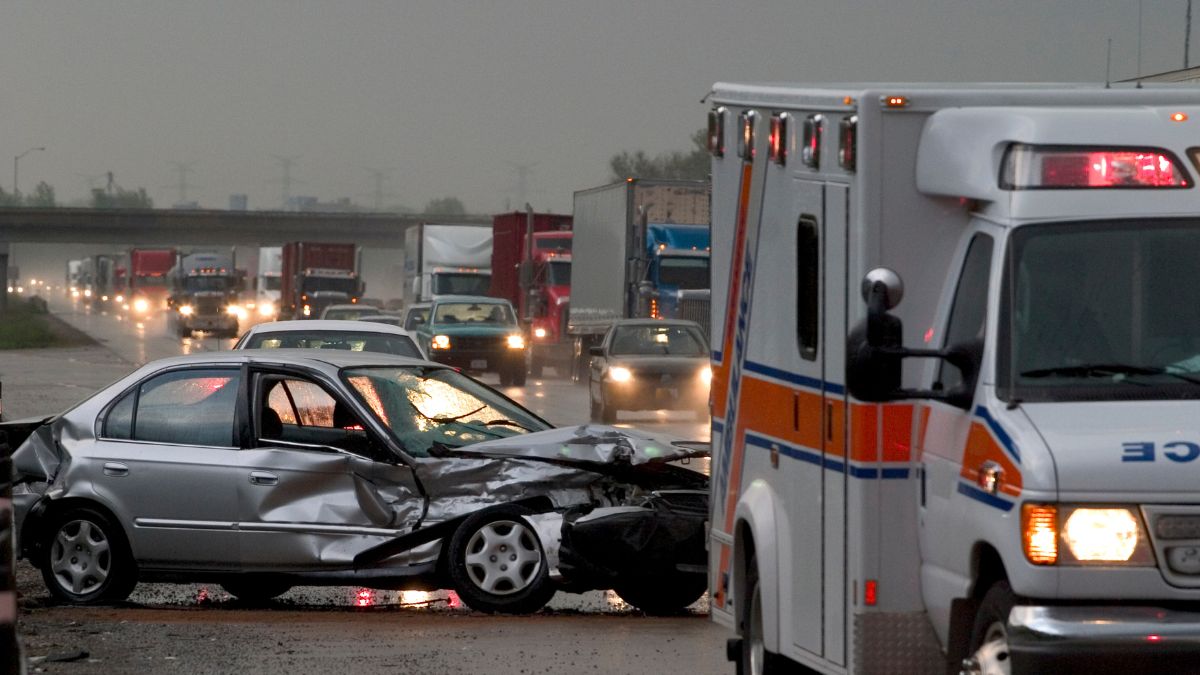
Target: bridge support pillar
[[4, 277]]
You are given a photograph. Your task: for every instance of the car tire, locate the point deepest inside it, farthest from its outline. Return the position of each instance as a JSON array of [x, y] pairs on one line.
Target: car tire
[[505, 377], [256, 590], [593, 409], [608, 413], [184, 331], [518, 375], [989, 647], [663, 595], [86, 559], [484, 580]]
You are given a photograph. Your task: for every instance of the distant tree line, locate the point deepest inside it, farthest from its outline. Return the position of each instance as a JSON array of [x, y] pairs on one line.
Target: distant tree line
[[694, 164], [42, 196]]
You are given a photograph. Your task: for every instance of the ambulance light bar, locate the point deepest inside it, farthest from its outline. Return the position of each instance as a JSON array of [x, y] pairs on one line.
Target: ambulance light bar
[[1074, 167], [810, 155], [779, 138], [746, 123], [848, 142]]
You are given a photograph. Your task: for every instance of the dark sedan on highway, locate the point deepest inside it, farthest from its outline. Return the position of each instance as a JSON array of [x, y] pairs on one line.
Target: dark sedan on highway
[[266, 469], [649, 364]]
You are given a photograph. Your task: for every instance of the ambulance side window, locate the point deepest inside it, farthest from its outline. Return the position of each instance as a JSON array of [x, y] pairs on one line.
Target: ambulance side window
[[808, 286], [968, 314]]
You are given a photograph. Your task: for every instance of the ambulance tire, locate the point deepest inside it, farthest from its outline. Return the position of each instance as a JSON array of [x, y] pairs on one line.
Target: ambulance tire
[[989, 634], [755, 659]]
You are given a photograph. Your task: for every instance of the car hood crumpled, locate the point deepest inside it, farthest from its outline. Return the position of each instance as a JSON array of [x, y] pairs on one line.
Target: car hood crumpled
[[588, 444]]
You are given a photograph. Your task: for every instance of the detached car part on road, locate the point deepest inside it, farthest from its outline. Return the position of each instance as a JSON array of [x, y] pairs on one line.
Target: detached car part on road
[[261, 470]]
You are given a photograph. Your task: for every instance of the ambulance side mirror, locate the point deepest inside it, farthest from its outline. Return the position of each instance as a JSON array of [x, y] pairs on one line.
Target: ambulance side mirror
[[874, 348]]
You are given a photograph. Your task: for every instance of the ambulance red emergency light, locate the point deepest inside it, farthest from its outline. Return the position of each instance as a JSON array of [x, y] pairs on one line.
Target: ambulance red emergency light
[[956, 382]]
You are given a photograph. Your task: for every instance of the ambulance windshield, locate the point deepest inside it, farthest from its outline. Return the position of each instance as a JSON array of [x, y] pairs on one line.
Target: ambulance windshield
[[1101, 311]]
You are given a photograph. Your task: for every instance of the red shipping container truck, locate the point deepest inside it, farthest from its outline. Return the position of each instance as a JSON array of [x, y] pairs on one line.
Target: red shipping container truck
[[317, 275], [544, 271], [147, 284]]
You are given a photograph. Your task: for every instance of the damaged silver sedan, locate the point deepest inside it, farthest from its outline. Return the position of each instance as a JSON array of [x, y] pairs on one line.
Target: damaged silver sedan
[[263, 470]]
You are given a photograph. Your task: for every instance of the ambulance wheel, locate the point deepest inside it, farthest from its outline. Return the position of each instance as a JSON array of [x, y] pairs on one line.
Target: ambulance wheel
[[663, 595], [755, 659], [989, 651], [496, 563]]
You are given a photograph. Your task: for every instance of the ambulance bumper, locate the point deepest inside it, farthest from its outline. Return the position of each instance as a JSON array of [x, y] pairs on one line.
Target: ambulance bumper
[[1087, 639]]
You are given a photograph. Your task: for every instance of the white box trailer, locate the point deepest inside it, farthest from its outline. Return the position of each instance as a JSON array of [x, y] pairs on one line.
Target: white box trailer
[[447, 259], [1019, 495]]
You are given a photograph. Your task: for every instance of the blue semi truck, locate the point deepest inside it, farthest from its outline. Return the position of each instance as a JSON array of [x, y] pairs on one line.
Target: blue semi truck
[[641, 249]]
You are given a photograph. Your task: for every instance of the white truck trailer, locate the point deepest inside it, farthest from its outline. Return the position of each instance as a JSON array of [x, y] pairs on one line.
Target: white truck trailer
[[998, 474], [447, 259], [268, 282]]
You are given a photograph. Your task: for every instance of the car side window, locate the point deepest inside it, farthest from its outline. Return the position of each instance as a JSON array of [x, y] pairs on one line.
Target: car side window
[[295, 410], [968, 313], [184, 407]]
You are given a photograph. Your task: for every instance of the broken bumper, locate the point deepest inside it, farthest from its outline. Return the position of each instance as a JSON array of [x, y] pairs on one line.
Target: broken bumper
[[1092, 639]]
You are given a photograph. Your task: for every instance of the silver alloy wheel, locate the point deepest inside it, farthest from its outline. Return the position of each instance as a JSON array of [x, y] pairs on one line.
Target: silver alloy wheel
[[992, 657], [754, 634], [503, 557], [80, 557]]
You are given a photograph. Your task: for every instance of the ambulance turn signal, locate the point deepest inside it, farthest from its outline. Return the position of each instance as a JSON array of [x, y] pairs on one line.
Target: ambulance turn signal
[[1039, 533]]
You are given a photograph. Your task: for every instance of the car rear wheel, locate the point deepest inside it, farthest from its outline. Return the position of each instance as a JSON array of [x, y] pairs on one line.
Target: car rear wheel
[[87, 559], [256, 590], [663, 595], [496, 563]]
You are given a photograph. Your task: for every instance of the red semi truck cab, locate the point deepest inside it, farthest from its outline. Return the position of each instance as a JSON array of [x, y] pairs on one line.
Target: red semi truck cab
[[536, 278], [147, 283]]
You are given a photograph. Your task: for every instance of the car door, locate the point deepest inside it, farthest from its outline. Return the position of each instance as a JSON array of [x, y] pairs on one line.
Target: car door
[[318, 486], [168, 465]]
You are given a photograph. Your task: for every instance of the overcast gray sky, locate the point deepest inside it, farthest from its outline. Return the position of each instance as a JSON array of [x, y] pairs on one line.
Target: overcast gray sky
[[453, 95]]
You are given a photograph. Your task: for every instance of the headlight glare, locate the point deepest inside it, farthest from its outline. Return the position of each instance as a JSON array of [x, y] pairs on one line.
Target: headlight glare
[[516, 342], [1101, 535], [619, 374], [141, 305], [539, 333], [266, 309], [440, 342], [186, 310], [706, 374]]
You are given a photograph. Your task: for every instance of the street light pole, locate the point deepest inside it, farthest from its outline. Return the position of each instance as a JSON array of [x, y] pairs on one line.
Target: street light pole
[[16, 164]]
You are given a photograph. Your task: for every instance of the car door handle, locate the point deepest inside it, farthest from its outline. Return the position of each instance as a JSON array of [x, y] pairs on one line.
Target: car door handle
[[115, 469], [263, 478]]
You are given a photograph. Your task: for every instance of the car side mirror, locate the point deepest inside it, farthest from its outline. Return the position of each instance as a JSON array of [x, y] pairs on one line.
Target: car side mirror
[[596, 351]]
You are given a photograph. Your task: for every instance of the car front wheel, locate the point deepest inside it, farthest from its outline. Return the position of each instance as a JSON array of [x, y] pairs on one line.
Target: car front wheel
[[87, 559], [496, 563]]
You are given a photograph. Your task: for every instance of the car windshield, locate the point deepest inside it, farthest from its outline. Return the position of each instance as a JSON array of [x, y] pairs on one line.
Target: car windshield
[[1101, 311], [380, 343], [558, 273], [445, 283], [348, 313], [683, 273], [657, 340], [490, 313], [431, 410], [272, 283]]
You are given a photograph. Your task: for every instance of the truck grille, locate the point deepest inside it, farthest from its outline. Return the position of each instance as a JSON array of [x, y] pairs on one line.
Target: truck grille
[[1175, 536], [208, 306], [476, 342], [695, 309]]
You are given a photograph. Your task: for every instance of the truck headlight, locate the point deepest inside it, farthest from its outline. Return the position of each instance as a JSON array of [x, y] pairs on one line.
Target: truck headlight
[[266, 309], [516, 342], [1088, 535], [440, 342], [141, 305], [236, 310], [119, 299], [539, 333], [186, 310], [619, 374]]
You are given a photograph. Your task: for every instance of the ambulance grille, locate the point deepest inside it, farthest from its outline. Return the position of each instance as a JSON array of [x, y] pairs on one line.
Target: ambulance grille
[[1177, 527], [1175, 536]]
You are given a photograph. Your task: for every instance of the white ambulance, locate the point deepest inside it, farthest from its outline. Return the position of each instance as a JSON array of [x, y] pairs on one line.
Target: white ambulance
[[956, 390]]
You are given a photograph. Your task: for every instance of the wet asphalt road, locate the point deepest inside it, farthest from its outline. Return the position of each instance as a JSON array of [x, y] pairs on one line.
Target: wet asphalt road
[[196, 628]]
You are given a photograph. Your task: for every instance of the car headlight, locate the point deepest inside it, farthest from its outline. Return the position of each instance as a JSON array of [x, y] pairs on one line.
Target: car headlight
[[516, 342], [141, 305], [186, 310], [119, 299], [619, 374], [1110, 535], [539, 333], [266, 309], [706, 374], [307, 310], [87, 292], [440, 342]]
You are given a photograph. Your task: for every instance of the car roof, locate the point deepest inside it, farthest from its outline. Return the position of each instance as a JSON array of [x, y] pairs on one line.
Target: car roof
[[349, 306], [320, 359], [308, 325], [478, 299]]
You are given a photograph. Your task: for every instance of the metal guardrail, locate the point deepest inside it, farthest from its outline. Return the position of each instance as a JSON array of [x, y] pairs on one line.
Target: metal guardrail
[[9, 644]]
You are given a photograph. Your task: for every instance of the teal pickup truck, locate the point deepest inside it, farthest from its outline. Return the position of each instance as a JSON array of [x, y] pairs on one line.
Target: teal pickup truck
[[476, 334]]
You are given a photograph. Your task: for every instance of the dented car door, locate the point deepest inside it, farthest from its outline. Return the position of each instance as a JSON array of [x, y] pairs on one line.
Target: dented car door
[[318, 486]]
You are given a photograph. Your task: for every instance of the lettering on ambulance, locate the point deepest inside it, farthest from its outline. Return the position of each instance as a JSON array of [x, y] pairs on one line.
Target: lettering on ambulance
[[987, 441]]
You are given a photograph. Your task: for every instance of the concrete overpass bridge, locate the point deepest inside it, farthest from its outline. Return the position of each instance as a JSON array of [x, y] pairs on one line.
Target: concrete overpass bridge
[[171, 227]]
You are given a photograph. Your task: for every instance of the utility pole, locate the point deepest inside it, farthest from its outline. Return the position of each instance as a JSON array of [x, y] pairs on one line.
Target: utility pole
[[183, 168], [1187, 37], [378, 193], [285, 163]]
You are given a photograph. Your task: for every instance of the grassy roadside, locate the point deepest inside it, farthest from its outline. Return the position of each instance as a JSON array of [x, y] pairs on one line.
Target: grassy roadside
[[27, 325]]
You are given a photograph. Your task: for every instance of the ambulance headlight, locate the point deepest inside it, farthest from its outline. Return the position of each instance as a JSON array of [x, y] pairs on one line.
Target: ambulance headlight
[[1084, 535]]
